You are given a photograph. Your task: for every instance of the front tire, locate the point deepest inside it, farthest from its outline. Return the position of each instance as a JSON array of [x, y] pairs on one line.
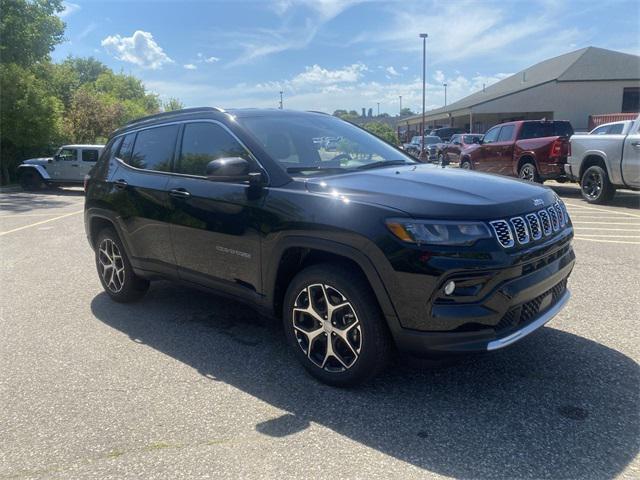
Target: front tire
[[465, 164], [115, 271], [334, 325], [595, 185], [31, 180]]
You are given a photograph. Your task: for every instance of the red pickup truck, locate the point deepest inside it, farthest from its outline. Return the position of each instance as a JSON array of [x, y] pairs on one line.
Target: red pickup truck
[[534, 150]]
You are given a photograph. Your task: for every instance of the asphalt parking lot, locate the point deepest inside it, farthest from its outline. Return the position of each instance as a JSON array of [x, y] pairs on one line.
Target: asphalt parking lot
[[188, 385]]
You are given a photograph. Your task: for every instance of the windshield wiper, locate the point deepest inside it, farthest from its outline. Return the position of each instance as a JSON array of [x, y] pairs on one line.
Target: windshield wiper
[[383, 163], [314, 169]]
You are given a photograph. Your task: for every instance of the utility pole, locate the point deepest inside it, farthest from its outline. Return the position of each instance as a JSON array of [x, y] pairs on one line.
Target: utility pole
[[400, 104], [378, 108], [280, 99], [423, 36], [445, 94]]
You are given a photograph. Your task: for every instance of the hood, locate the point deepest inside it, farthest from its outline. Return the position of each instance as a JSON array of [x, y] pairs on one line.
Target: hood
[[38, 161], [429, 191]]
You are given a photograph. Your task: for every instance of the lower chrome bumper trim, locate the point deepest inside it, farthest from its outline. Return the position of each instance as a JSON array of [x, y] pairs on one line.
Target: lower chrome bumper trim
[[533, 326]]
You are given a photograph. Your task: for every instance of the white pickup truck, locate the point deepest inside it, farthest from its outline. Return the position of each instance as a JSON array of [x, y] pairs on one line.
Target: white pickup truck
[[605, 159]]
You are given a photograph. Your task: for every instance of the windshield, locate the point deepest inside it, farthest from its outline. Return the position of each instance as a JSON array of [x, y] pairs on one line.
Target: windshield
[[430, 140], [293, 142]]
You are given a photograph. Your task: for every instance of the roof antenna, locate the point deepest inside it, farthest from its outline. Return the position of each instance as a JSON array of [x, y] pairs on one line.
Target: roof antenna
[[483, 90]]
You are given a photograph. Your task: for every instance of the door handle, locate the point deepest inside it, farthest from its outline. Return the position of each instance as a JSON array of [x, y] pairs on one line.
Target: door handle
[[635, 144], [120, 184], [179, 193]]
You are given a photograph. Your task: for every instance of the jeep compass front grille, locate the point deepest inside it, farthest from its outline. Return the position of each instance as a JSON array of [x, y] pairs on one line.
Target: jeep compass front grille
[[530, 227], [503, 232]]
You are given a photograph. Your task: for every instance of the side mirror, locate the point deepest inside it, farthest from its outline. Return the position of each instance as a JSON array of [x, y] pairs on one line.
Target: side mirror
[[57, 157], [477, 140], [233, 169]]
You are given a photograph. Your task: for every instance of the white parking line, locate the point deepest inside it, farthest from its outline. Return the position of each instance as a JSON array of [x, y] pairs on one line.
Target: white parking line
[[583, 235], [600, 240], [630, 222], [40, 223], [603, 210], [611, 229]]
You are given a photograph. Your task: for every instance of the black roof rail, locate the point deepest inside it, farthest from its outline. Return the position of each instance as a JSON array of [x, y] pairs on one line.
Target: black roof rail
[[175, 112], [316, 111]]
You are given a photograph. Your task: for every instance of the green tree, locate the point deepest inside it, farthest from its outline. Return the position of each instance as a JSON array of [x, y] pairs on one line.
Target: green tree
[[30, 118], [172, 104], [383, 131], [406, 111], [29, 30]]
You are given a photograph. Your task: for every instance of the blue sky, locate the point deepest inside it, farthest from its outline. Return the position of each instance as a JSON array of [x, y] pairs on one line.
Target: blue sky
[[329, 54]]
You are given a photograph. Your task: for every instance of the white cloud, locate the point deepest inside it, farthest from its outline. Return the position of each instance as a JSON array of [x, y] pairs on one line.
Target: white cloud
[[140, 49], [211, 60], [316, 75], [190, 66], [69, 9], [392, 71]]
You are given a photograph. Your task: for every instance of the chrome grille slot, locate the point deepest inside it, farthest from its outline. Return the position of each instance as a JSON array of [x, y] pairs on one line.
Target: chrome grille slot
[[503, 233], [553, 215], [520, 228], [560, 213], [534, 226], [546, 223]]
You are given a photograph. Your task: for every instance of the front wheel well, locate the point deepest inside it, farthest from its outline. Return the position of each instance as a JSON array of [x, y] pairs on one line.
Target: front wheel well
[[296, 259], [590, 161]]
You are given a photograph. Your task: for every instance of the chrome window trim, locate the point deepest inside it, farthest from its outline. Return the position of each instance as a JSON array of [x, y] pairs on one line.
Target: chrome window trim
[[184, 122]]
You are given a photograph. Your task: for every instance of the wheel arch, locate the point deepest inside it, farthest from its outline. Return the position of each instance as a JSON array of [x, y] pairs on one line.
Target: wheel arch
[[526, 157], [296, 253], [39, 169], [591, 160]]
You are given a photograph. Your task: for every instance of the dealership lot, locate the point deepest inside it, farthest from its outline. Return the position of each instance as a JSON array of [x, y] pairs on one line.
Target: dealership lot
[[185, 384]]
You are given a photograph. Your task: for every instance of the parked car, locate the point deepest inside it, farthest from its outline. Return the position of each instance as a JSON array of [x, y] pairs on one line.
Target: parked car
[[606, 160], [534, 150], [445, 133], [355, 253], [415, 146], [451, 151], [67, 167]]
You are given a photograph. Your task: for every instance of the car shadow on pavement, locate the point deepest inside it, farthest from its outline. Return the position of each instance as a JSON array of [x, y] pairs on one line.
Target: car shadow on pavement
[[19, 202], [554, 406]]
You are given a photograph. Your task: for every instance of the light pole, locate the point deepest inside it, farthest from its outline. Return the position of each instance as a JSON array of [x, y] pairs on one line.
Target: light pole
[[400, 104], [445, 94], [280, 99], [423, 36], [378, 108]]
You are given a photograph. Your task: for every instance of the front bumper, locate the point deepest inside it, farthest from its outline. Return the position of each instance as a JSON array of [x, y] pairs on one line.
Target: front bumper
[[489, 309]]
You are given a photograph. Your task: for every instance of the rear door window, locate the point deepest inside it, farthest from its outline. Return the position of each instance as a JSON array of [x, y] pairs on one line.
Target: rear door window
[[506, 133], [89, 155], [601, 130], [204, 142], [154, 148], [616, 129]]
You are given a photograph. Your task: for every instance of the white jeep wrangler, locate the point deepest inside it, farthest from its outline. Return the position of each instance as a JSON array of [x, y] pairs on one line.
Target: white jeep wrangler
[[67, 167]]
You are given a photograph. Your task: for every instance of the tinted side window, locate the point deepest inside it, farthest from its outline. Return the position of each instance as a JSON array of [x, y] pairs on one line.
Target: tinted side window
[[102, 167], [492, 135], [204, 142], [154, 147], [68, 154], [506, 134], [600, 130], [126, 148], [89, 155], [616, 129]]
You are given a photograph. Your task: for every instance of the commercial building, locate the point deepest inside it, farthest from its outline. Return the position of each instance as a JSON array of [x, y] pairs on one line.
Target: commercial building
[[568, 87]]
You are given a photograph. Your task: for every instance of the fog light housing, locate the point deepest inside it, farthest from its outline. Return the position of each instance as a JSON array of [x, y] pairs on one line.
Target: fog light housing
[[449, 288]]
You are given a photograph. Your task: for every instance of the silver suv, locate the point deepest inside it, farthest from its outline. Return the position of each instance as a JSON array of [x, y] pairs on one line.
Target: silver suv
[[68, 166]]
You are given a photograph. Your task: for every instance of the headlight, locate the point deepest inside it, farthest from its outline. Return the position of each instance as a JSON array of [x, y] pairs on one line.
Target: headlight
[[437, 232]]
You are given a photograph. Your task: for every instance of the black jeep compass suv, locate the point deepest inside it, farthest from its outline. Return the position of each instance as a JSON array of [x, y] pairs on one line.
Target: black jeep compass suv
[[358, 248]]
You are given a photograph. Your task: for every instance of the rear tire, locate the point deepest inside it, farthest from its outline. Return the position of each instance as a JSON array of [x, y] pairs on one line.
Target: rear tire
[[115, 271], [595, 185], [343, 345], [529, 172], [466, 164], [31, 180]]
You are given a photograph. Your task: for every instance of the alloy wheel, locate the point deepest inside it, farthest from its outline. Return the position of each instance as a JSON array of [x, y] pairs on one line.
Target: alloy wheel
[[111, 265], [592, 184], [527, 173], [465, 166], [327, 328]]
